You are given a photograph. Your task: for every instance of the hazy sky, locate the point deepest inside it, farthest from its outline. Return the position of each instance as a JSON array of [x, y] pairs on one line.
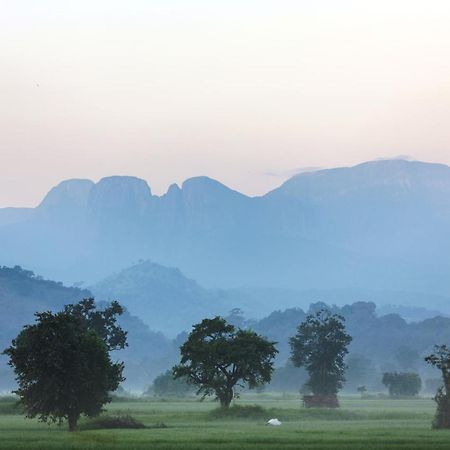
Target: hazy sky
[[242, 91]]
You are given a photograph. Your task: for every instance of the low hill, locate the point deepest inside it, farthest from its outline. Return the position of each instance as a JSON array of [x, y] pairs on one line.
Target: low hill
[[162, 297]]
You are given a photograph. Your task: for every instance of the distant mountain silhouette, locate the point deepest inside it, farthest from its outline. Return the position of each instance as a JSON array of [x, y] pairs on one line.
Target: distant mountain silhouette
[[380, 225]]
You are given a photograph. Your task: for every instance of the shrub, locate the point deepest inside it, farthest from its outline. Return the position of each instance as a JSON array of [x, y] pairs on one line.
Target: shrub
[[118, 421], [239, 412], [320, 401]]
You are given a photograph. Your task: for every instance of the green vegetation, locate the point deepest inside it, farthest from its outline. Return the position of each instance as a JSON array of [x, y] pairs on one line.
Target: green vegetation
[[405, 384], [320, 346], [188, 425], [216, 357], [62, 362], [120, 421], [164, 385]]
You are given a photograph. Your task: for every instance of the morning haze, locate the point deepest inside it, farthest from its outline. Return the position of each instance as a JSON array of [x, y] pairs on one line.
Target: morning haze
[[224, 225], [236, 91]]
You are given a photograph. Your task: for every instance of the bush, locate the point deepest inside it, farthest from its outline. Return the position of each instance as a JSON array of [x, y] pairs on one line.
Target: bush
[[239, 412], [320, 401], [10, 405], [164, 385], [406, 384], [118, 421]]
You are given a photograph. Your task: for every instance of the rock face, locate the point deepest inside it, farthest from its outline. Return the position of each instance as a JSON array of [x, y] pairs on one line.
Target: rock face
[[378, 225], [119, 196], [67, 195]]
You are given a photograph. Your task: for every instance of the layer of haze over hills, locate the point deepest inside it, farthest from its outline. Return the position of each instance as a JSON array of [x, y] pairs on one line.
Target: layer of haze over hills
[[380, 341], [381, 226], [169, 302]]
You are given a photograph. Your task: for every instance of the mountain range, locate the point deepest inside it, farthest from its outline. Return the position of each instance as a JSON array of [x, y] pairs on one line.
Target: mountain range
[[381, 225]]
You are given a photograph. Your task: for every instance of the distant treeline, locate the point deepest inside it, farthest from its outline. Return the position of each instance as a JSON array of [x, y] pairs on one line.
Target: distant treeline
[[380, 343]]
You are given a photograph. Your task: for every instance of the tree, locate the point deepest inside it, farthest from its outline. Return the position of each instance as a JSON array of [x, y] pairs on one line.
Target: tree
[[216, 357], [405, 384], [441, 360], [166, 385], [320, 346], [63, 367], [362, 390]]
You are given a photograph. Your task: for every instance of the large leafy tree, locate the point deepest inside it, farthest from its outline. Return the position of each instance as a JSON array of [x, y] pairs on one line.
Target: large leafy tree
[[216, 357], [441, 360], [404, 384], [62, 363], [320, 346]]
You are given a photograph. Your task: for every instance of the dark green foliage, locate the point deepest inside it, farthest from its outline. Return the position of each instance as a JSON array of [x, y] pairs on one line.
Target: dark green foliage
[[117, 421], [441, 360], [165, 385], [63, 368], [239, 412], [320, 346], [216, 357], [102, 321], [404, 384], [362, 390]]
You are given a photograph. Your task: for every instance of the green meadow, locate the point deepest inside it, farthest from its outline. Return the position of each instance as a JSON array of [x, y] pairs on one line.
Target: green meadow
[[191, 424]]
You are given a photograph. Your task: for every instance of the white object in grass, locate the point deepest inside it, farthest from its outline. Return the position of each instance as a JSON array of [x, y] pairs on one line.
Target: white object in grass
[[274, 422]]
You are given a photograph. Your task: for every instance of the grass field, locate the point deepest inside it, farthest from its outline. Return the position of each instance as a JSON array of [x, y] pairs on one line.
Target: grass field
[[358, 424]]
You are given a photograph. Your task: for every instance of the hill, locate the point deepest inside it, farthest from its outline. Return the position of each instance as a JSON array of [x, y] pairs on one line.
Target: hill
[[167, 301]]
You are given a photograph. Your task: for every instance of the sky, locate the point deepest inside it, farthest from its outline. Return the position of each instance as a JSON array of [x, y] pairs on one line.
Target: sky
[[247, 92]]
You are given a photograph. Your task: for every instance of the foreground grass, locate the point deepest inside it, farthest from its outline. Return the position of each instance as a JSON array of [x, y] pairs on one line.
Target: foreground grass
[[359, 424]]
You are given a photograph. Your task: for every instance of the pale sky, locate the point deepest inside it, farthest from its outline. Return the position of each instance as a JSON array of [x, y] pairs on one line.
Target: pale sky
[[243, 91]]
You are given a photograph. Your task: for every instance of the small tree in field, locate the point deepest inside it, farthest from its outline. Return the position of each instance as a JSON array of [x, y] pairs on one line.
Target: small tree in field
[[404, 384], [320, 346], [164, 385], [441, 360], [63, 367], [362, 390], [216, 357]]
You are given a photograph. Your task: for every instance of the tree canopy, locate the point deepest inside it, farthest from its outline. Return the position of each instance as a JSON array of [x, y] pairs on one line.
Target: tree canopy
[[406, 384], [320, 346], [216, 357], [63, 367]]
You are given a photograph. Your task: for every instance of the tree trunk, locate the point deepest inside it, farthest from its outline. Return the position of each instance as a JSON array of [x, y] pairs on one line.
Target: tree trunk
[[225, 397], [73, 420]]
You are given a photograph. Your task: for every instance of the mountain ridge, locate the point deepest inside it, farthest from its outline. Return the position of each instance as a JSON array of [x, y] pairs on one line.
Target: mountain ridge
[[378, 225]]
